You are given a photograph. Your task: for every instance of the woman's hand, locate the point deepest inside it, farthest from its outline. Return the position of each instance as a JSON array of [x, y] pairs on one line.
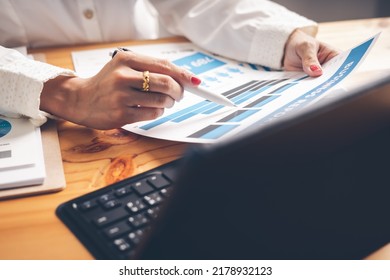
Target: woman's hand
[[304, 52], [115, 97]]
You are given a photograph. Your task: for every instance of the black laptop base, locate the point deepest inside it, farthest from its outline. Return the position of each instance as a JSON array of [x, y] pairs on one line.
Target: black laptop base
[[314, 186], [330, 205]]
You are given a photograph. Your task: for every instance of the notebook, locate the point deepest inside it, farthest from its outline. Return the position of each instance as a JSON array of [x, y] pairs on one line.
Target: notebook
[[20, 164], [54, 180], [314, 185]]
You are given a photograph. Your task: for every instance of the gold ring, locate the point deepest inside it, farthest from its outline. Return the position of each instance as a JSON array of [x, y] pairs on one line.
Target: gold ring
[[145, 84]]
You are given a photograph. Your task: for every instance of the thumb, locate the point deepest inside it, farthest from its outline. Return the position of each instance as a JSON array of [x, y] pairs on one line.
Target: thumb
[[310, 63]]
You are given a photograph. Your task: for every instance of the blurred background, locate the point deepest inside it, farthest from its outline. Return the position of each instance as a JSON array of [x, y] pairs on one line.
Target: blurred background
[[333, 10]]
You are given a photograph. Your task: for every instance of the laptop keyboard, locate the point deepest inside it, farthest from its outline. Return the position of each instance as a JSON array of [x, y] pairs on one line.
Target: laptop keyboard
[[112, 221]]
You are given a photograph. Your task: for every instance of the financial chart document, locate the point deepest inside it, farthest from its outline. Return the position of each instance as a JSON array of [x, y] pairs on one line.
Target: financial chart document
[[261, 95]]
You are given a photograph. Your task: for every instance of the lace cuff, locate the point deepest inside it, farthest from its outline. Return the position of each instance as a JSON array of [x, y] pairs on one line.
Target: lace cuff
[[21, 84]]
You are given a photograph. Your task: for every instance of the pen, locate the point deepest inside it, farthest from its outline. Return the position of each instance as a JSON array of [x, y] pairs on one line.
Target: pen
[[209, 95]]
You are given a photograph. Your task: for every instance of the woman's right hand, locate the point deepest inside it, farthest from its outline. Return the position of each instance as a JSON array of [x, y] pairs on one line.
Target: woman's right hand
[[115, 97]]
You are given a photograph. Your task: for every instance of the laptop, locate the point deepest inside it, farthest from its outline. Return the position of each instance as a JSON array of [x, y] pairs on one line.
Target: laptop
[[313, 185]]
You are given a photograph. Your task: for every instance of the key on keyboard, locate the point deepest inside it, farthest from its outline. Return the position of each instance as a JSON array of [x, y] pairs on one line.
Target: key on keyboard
[[111, 221]]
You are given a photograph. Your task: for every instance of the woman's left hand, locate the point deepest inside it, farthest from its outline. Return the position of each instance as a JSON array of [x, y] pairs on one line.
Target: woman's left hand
[[304, 52]]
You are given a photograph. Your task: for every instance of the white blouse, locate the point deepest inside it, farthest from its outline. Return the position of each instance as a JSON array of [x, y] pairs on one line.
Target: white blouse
[[248, 30]]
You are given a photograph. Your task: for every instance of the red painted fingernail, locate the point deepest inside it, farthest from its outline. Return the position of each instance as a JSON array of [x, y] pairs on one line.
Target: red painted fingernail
[[314, 68], [195, 80]]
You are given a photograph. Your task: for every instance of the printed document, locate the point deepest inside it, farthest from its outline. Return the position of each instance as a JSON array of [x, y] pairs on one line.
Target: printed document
[[261, 95], [21, 154]]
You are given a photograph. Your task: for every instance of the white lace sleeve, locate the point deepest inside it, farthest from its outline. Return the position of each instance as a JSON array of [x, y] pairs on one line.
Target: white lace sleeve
[[21, 83]]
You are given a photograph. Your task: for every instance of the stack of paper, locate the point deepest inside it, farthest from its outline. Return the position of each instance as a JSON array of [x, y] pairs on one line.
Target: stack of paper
[[21, 154]]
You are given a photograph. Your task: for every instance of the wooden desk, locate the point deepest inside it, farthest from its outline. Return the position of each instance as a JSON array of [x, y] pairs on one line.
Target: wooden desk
[[92, 159]]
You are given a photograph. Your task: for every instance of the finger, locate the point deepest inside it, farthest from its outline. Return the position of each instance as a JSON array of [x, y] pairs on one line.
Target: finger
[[137, 114], [149, 100], [326, 53], [156, 65], [167, 85], [307, 51], [157, 83]]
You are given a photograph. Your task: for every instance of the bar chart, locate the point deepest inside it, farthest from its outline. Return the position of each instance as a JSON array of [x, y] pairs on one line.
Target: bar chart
[[250, 97], [261, 95]]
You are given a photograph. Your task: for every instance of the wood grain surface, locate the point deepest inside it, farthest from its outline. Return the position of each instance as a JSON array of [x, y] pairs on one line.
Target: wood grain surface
[[92, 159]]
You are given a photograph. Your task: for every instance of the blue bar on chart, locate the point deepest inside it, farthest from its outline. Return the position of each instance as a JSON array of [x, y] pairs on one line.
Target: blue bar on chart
[[261, 87], [236, 97], [262, 101], [278, 82], [302, 78], [283, 88], [201, 110], [238, 116], [242, 88], [213, 109], [170, 117], [213, 131]]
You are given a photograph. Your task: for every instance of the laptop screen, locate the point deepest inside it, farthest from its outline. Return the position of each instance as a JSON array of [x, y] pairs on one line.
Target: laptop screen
[[311, 186]]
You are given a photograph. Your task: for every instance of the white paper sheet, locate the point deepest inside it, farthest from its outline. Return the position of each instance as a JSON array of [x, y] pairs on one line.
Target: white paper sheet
[[261, 95], [21, 154], [17, 137]]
